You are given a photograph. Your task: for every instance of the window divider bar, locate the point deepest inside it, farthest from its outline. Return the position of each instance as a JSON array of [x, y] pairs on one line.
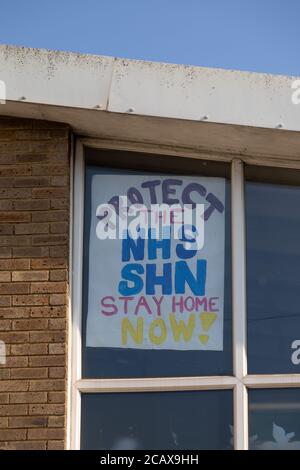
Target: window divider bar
[[239, 335], [77, 256], [240, 412], [158, 384], [238, 270], [272, 381]]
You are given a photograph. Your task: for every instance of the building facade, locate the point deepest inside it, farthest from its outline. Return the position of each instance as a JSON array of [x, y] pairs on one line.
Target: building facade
[[109, 342]]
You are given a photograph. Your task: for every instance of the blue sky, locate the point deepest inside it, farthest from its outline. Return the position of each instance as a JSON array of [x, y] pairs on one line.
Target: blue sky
[[256, 35]]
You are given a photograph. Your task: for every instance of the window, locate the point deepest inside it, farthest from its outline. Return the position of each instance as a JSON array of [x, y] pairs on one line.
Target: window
[[273, 272], [191, 363], [274, 419], [158, 354], [174, 420]]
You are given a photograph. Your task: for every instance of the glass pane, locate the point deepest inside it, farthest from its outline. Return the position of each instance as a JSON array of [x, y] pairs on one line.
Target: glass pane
[[273, 277], [157, 420], [156, 332], [274, 419]]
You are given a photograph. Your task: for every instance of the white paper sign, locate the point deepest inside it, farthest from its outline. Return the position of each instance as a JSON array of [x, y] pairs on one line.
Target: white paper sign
[[156, 295]]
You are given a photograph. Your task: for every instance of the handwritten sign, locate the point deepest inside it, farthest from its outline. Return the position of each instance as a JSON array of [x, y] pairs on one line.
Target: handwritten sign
[[155, 293]]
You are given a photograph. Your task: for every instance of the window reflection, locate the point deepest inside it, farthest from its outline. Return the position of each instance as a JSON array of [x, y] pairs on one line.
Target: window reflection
[[274, 419], [157, 420], [273, 277]]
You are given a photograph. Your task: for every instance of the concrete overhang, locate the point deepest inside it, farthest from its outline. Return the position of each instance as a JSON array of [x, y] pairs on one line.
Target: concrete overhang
[[166, 108]]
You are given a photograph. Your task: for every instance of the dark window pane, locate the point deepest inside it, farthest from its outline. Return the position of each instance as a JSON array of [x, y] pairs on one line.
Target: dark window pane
[[128, 362], [157, 420], [274, 419], [273, 277]]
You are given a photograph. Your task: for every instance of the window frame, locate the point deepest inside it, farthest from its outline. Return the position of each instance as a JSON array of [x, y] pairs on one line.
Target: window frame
[[239, 382]]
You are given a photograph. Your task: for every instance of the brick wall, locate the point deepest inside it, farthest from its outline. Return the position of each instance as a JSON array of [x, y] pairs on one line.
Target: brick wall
[[34, 214]]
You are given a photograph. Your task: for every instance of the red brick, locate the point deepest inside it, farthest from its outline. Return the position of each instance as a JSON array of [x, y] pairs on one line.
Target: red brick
[[15, 264], [56, 397], [14, 337], [45, 385], [34, 245], [15, 362], [15, 410], [29, 349], [59, 204], [29, 276], [48, 193], [30, 373], [59, 251], [5, 325], [55, 445], [3, 422], [14, 288], [4, 398], [14, 312], [31, 324], [31, 252], [44, 409], [5, 276], [51, 312], [6, 229], [31, 228], [6, 205], [5, 252], [50, 216], [49, 240], [58, 275], [56, 348], [57, 372], [59, 181], [27, 445], [28, 422], [53, 170], [17, 241], [49, 263], [15, 193], [57, 324], [29, 397], [32, 182], [15, 170], [32, 205], [47, 336], [4, 373], [56, 421], [58, 299], [15, 217], [46, 433], [30, 299], [12, 434], [46, 361], [13, 385], [59, 227], [5, 301]]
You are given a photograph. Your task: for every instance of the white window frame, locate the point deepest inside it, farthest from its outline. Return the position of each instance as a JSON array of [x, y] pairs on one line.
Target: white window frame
[[239, 382]]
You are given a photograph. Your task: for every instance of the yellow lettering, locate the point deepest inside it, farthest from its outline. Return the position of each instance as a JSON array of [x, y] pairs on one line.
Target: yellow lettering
[[181, 329], [158, 323], [137, 334]]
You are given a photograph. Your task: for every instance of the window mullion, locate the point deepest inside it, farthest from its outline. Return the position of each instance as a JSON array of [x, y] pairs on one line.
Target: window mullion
[[239, 303], [77, 255]]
